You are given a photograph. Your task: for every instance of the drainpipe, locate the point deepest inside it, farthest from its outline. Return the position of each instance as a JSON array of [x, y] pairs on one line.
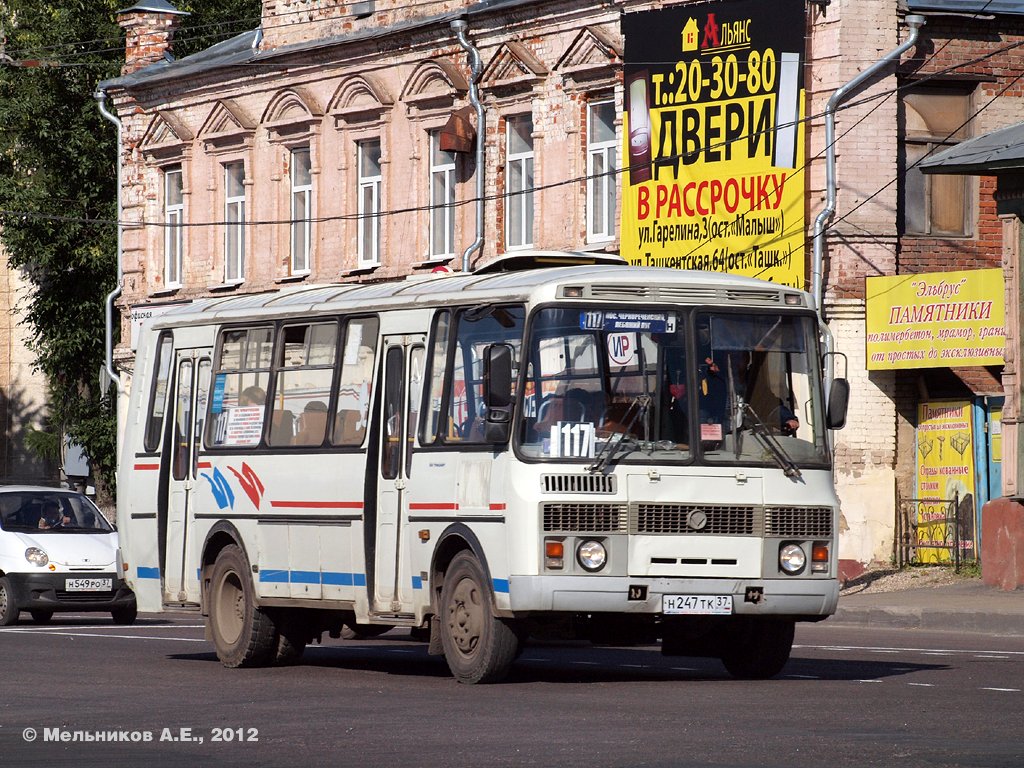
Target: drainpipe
[[915, 23], [476, 68], [101, 100]]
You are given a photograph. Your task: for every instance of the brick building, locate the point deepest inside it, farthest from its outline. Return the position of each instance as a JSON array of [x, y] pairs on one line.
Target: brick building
[[327, 145]]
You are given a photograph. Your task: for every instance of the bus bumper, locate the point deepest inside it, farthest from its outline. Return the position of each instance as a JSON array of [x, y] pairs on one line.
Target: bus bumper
[[811, 598]]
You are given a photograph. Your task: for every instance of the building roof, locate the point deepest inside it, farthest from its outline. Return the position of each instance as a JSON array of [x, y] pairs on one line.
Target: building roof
[[990, 153], [154, 6], [981, 7], [244, 48]]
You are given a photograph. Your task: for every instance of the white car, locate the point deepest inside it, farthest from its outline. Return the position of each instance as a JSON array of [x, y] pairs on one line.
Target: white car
[[58, 553]]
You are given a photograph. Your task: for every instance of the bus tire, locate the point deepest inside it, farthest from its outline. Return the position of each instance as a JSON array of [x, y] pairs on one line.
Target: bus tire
[[478, 646], [291, 638], [8, 610], [759, 649], [244, 635]]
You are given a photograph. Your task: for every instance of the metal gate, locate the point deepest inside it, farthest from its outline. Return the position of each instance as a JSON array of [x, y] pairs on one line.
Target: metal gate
[[929, 532]]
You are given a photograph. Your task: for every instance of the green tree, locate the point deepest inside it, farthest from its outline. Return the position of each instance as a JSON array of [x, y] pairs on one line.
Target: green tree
[[58, 189]]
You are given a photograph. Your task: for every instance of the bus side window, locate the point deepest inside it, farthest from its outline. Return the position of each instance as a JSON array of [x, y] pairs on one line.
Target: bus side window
[[438, 360], [355, 382], [158, 395]]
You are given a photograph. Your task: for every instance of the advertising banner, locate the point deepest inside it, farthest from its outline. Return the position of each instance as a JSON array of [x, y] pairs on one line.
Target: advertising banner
[[714, 136], [935, 319], [945, 471]]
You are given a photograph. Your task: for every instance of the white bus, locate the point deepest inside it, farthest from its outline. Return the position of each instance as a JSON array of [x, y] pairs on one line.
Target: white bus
[[619, 452]]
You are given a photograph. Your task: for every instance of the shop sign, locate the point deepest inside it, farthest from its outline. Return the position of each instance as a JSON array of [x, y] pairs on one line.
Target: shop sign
[[714, 139], [935, 320], [945, 473]]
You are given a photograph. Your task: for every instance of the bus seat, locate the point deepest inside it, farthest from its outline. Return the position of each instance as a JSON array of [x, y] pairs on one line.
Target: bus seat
[[347, 428], [282, 427], [312, 428]]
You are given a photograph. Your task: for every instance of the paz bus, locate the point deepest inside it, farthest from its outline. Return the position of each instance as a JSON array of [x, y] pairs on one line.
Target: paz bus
[[620, 453]]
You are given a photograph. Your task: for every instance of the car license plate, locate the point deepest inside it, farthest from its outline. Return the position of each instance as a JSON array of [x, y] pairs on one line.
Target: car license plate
[[87, 585], [697, 605]]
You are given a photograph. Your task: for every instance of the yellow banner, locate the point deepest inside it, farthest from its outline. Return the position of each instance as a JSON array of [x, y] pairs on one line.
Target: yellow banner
[[945, 472], [714, 134], [935, 319]]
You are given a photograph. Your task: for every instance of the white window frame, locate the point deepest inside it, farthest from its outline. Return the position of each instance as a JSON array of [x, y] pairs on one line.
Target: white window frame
[[174, 229], [234, 219], [525, 163], [442, 217], [301, 213], [602, 160], [368, 197]]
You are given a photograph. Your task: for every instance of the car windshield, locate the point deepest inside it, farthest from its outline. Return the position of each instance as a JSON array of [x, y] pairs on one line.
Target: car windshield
[[42, 511], [646, 384]]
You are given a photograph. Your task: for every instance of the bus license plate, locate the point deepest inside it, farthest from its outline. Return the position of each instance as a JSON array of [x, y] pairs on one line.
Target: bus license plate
[[696, 605], [87, 585]]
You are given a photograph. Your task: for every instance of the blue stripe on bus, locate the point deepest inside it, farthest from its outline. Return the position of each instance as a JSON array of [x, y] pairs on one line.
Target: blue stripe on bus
[[337, 579], [147, 573], [331, 578], [500, 585], [275, 577]]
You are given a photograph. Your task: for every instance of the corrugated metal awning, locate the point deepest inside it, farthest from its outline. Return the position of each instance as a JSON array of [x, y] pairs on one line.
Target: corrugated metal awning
[[990, 154], [981, 7]]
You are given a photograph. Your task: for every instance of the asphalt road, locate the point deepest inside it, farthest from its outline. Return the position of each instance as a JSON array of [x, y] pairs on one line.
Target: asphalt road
[[848, 697]]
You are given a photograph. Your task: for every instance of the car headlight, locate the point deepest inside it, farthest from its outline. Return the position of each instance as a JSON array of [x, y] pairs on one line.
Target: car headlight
[[591, 555], [792, 558], [37, 556]]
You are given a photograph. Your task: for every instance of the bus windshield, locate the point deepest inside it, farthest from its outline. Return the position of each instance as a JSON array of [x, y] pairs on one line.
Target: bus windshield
[[646, 384]]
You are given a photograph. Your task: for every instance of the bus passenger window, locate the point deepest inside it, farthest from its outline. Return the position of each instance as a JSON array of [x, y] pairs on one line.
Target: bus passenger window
[[239, 392], [302, 384], [355, 381]]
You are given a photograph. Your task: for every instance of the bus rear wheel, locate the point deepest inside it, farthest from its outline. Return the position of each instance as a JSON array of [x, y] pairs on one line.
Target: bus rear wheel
[[244, 635], [478, 646], [759, 648]]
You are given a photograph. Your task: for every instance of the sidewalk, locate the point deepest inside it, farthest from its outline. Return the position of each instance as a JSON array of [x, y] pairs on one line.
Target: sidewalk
[[967, 606]]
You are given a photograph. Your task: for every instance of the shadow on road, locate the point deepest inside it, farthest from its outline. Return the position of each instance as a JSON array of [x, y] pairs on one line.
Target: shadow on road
[[548, 664]]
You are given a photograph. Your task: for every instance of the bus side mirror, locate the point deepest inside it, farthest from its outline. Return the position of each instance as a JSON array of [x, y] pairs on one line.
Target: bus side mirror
[[838, 401], [498, 393]]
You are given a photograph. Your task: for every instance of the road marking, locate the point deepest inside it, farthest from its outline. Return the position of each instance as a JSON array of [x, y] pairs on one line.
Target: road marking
[[119, 628], [1001, 690], [805, 677], [118, 637], [870, 681], [935, 651], [980, 656], [922, 685]]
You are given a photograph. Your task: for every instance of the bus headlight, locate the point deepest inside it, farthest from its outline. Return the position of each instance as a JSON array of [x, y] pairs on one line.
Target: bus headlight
[[591, 555], [36, 556], [792, 558]]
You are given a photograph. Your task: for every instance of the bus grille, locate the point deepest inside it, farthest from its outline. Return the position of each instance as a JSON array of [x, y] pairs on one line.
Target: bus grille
[[800, 522], [578, 483], [694, 518], [593, 518]]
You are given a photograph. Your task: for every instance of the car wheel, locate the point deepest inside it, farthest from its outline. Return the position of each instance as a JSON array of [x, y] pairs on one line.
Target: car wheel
[[243, 634], [8, 610], [125, 615], [41, 617], [478, 646]]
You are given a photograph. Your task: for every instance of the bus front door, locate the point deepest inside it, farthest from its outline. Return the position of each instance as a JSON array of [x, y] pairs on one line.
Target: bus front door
[[191, 388], [402, 385]]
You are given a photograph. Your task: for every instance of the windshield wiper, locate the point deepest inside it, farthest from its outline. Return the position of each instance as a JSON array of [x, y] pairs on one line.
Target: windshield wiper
[[638, 408], [761, 431]]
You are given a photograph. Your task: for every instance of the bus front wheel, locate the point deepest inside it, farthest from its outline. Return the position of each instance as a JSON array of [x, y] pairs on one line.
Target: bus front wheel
[[758, 648], [478, 646], [243, 634]]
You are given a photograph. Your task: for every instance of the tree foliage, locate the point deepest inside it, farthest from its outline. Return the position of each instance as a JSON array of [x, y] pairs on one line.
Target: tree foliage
[[58, 188]]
